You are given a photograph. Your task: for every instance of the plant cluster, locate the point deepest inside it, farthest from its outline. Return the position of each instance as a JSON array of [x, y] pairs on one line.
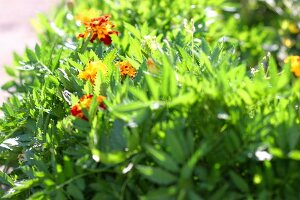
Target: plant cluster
[[153, 101]]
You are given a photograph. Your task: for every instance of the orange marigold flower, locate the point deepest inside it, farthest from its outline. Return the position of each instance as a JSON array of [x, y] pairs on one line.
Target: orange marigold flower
[[90, 72], [100, 28], [295, 64], [85, 102], [127, 69]]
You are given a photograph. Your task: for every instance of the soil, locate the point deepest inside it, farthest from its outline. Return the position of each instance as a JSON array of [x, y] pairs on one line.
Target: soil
[[16, 31]]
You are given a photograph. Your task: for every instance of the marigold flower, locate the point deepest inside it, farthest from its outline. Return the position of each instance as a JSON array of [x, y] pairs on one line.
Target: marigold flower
[[90, 72], [295, 64], [85, 102], [126, 69], [100, 28]]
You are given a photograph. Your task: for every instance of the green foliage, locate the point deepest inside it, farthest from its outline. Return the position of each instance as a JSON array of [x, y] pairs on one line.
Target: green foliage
[[204, 117]]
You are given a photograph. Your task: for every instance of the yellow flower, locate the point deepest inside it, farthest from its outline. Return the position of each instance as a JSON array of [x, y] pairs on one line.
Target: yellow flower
[[287, 42], [291, 27], [90, 72], [295, 64], [126, 69], [99, 28]]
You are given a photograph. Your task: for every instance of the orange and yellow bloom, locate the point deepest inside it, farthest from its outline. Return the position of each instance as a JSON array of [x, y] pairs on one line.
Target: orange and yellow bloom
[[126, 69], [91, 71], [84, 103], [295, 64], [99, 28]]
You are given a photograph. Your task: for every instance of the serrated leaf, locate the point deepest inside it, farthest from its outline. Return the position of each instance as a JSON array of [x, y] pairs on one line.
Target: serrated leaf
[[74, 191], [135, 50], [83, 58], [176, 149], [135, 32], [153, 87], [169, 84], [130, 107], [162, 159], [31, 55], [5, 179], [160, 193], [75, 64], [10, 71], [157, 175], [188, 168], [245, 96], [109, 58], [138, 93], [239, 182], [22, 186]]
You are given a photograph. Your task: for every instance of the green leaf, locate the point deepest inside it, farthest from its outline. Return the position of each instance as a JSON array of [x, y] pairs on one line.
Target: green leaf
[[135, 32], [220, 193], [10, 71], [161, 193], [193, 195], [108, 158], [75, 64], [130, 107], [153, 87], [5, 179], [176, 149], [109, 58], [117, 140], [31, 55], [56, 59], [162, 159], [60, 195], [169, 84], [135, 50], [75, 192], [188, 168], [207, 63], [83, 58], [37, 50], [186, 99], [239, 182], [138, 93], [22, 186], [157, 175], [68, 167], [245, 96], [294, 154]]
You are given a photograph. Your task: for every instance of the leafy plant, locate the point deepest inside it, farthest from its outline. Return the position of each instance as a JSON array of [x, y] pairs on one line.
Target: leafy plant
[[182, 114]]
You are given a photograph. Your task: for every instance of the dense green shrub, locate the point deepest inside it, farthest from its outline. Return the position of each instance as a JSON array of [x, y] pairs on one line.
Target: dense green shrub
[[203, 118]]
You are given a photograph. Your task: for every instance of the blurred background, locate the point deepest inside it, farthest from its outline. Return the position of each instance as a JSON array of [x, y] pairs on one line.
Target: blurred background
[[16, 30]]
